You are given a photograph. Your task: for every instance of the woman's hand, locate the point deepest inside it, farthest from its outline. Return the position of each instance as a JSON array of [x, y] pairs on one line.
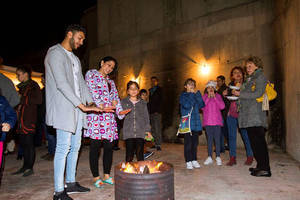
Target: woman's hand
[[5, 127], [236, 93], [109, 109]]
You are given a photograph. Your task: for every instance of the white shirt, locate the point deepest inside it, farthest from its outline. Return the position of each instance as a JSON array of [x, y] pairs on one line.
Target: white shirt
[[75, 69]]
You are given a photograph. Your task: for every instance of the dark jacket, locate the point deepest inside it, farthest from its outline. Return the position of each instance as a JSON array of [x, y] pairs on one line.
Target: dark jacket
[[7, 115], [31, 97], [137, 122], [189, 100], [155, 100], [226, 101]]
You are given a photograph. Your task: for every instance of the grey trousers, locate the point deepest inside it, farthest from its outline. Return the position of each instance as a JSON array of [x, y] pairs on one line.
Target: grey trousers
[[213, 134], [155, 120]]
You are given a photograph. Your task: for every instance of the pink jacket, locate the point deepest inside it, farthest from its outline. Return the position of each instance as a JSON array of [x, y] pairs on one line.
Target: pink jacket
[[212, 111]]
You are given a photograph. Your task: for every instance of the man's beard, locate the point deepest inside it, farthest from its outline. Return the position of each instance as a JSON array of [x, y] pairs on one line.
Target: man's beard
[[72, 43]]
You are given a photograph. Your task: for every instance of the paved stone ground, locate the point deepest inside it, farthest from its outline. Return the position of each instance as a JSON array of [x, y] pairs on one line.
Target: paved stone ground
[[207, 183]]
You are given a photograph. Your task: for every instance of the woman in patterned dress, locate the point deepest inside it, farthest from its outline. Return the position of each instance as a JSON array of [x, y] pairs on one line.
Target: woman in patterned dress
[[102, 128]]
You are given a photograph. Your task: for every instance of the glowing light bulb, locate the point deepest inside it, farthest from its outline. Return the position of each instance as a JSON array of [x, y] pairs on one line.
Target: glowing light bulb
[[136, 79], [205, 69]]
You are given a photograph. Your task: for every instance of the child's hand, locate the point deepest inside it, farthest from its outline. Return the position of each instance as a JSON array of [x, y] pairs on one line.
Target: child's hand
[[124, 112], [211, 94], [148, 136], [5, 127]]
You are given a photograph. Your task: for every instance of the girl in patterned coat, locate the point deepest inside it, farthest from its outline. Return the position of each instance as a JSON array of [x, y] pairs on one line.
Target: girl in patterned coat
[[102, 128]]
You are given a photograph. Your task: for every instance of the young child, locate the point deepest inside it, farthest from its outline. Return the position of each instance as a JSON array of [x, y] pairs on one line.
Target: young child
[[191, 100], [147, 154], [136, 123], [8, 119], [212, 120]]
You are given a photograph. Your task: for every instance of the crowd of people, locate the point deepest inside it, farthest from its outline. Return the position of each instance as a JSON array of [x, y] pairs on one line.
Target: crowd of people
[[70, 103], [227, 109]]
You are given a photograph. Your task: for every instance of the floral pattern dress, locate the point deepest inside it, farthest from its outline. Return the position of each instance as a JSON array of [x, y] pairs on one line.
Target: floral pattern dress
[[102, 126]]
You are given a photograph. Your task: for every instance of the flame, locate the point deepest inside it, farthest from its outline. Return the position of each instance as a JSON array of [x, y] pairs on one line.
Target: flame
[[129, 168], [137, 168]]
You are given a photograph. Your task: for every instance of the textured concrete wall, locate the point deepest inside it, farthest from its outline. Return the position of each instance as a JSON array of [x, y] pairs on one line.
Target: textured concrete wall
[[287, 41], [89, 21], [171, 39]]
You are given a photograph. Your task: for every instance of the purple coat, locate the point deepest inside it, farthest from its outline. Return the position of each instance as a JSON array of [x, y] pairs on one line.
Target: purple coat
[[212, 115]]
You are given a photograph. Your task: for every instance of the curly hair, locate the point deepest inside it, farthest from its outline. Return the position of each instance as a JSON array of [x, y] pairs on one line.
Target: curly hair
[[255, 60]]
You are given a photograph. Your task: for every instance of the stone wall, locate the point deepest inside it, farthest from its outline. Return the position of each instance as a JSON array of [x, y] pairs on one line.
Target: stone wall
[[173, 39], [286, 28], [89, 21]]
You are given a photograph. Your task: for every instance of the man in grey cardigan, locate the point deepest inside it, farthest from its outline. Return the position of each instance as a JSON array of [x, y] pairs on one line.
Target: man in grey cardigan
[[66, 99]]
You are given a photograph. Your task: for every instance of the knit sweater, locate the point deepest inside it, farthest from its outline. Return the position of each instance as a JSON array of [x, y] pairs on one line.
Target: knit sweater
[[136, 122]]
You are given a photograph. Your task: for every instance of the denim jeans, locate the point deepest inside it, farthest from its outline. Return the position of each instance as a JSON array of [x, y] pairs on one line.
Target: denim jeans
[[224, 135], [232, 124], [66, 154]]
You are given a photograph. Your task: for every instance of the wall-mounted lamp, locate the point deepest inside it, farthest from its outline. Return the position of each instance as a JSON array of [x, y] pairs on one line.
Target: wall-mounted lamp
[[135, 79], [205, 69]]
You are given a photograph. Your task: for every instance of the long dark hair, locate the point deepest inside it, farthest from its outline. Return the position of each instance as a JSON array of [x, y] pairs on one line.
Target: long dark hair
[[109, 58], [237, 68]]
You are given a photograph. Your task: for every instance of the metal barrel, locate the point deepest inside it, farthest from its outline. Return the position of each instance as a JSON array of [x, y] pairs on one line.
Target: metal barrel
[[158, 186]]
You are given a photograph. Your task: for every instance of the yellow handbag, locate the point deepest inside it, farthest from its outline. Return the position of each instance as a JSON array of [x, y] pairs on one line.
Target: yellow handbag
[[270, 91]]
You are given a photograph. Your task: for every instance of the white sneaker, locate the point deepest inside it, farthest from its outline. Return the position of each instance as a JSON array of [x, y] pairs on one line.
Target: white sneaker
[[208, 161], [189, 165], [219, 161], [195, 164]]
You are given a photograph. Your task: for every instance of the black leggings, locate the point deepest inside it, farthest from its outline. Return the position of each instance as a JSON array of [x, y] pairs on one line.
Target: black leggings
[[134, 146], [259, 147], [27, 143], [95, 153]]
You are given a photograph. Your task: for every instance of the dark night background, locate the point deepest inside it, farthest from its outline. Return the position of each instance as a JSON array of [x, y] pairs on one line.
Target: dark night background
[[29, 28]]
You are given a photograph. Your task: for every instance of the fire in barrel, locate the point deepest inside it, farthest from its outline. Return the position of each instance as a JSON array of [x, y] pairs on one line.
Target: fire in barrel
[[144, 180]]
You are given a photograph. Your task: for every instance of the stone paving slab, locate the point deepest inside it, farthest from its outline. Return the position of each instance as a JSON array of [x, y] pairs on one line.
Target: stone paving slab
[[207, 183]]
